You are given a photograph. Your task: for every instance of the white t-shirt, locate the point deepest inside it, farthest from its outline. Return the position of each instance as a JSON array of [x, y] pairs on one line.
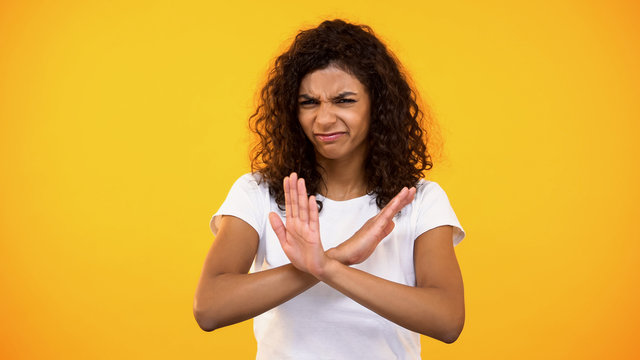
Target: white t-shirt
[[322, 323]]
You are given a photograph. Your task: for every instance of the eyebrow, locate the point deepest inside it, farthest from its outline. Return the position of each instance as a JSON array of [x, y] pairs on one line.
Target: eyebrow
[[339, 96]]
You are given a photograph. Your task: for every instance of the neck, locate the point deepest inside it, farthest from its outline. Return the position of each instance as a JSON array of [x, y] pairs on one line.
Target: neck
[[344, 179]]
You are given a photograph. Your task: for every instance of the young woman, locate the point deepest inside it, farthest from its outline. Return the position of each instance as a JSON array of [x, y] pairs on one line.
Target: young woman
[[334, 243]]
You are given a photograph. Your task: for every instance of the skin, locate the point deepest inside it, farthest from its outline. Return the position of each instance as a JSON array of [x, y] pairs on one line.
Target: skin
[[332, 101], [227, 294]]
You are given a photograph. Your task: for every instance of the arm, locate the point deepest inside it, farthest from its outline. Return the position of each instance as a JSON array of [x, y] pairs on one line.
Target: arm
[[226, 294], [435, 307]]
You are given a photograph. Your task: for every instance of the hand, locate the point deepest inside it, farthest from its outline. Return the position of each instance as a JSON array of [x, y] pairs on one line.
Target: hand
[[300, 238], [361, 245]]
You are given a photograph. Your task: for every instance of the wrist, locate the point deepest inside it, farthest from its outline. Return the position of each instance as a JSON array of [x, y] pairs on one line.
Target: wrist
[[337, 253], [327, 269]]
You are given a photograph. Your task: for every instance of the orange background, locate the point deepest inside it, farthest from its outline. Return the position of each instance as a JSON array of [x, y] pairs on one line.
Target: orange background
[[123, 126]]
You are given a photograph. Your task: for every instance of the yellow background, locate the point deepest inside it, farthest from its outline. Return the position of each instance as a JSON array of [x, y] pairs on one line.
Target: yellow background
[[123, 125]]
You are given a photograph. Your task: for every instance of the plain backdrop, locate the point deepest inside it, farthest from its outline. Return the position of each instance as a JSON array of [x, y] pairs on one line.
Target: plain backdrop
[[123, 125]]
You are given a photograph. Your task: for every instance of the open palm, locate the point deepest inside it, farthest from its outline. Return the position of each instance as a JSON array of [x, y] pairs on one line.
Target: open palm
[[362, 244], [300, 238]]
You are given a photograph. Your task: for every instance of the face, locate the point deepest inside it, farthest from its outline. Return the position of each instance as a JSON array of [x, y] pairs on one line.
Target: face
[[333, 109]]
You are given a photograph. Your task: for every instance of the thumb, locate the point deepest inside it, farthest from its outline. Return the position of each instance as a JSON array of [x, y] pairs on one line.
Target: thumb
[[278, 227], [389, 228]]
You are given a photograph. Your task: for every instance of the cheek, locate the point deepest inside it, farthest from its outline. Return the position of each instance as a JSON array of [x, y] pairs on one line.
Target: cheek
[[305, 124], [358, 120]]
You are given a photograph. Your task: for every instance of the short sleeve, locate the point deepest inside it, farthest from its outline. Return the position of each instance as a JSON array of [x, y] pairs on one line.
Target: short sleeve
[[245, 200], [435, 210]]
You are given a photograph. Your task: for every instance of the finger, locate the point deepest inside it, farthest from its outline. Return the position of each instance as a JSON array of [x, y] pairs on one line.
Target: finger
[[293, 193], [287, 198], [392, 207], [389, 228], [411, 195], [314, 224], [408, 198], [278, 227], [303, 201]]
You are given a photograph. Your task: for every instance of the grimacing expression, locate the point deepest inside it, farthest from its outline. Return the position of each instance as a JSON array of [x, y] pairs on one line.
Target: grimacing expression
[[334, 112]]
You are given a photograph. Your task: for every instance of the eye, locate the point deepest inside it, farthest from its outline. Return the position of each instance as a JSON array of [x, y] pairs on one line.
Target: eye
[[345, 101], [308, 102]]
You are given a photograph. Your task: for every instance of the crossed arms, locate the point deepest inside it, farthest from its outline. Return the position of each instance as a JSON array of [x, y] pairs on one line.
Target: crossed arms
[[227, 294]]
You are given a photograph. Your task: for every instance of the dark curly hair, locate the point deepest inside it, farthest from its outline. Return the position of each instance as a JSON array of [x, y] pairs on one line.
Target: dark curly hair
[[397, 143]]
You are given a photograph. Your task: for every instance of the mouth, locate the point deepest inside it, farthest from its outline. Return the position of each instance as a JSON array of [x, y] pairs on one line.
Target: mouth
[[329, 137]]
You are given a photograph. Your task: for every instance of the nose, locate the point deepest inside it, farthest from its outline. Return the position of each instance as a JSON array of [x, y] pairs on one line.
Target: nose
[[325, 115]]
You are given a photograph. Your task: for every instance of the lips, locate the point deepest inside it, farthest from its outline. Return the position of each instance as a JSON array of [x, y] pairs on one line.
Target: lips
[[329, 136]]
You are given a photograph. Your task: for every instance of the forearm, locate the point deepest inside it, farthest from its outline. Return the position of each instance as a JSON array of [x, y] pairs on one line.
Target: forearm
[[230, 298], [433, 312]]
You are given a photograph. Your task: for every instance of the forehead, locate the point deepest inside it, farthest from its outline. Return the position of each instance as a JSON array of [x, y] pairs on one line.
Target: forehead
[[329, 81]]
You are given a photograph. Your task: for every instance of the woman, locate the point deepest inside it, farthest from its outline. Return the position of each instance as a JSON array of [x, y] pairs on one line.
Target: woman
[[350, 251]]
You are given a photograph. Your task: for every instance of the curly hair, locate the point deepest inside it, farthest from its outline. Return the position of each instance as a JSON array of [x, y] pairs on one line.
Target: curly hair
[[397, 143]]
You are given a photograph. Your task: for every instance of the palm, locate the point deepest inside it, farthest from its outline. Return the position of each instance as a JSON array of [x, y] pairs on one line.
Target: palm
[[362, 244], [300, 238]]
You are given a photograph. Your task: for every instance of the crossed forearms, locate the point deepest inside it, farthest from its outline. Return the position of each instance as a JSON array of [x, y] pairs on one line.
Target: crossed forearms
[[431, 311], [230, 298]]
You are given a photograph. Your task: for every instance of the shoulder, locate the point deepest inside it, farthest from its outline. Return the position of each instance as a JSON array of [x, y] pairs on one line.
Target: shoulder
[[428, 189], [247, 200], [250, 188], [430, 196], [252, 181], [433, 209], [251, 177]]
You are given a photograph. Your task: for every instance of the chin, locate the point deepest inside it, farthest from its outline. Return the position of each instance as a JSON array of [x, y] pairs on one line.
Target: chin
[[330, 155]]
